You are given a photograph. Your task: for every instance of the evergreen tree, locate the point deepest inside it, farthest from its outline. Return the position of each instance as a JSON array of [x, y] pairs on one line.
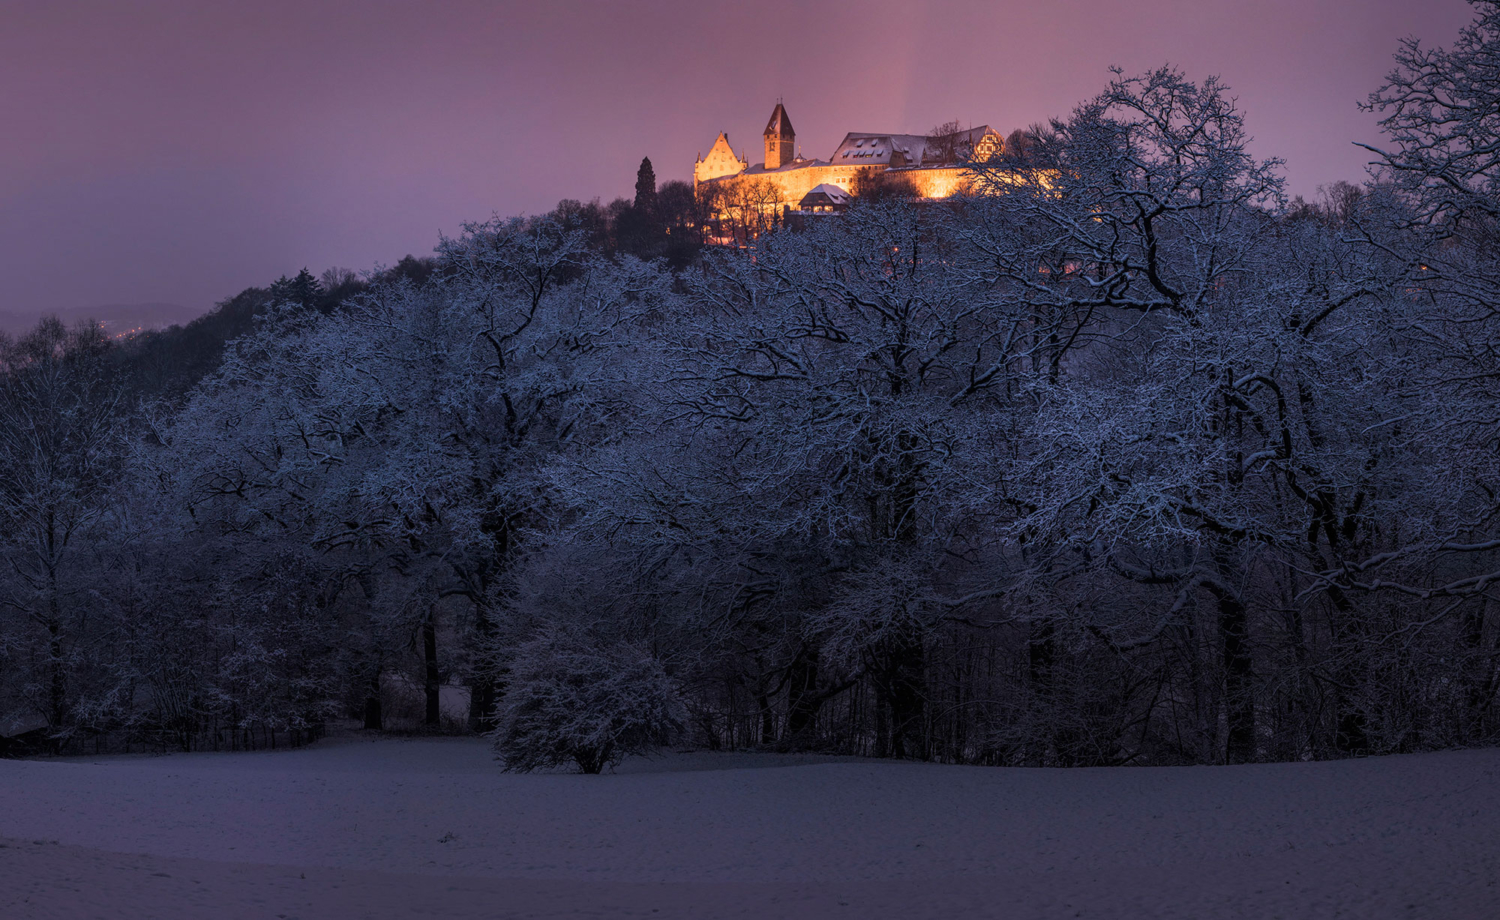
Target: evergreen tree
[[645, 187], [303, 290]]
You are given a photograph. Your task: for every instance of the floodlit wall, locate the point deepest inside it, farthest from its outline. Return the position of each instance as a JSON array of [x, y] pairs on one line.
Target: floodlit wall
[[936, 182], [791, 185], [720, 162]]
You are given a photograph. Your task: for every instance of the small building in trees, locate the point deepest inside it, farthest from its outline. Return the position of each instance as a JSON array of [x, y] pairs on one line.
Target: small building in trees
[[825, 199]]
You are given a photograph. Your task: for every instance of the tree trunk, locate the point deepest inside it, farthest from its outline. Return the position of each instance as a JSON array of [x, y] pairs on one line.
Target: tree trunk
[[1351, 732], [767, 718], [803, 701], [374, 715], [1480, 668], [432, 683], [57, 690], [900, 688], [483, 695], [1239, 675], [901, 656], [483, 681], [1041, 654], [1300, 704]]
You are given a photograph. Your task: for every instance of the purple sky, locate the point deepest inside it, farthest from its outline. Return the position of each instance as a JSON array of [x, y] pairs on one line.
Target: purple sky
[[179, 152]]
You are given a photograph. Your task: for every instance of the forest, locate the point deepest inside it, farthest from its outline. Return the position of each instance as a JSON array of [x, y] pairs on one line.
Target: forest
[[1126, 458]]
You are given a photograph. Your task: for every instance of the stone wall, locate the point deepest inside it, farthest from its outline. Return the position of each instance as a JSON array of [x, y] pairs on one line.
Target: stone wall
[[935, 182], [785, 188]]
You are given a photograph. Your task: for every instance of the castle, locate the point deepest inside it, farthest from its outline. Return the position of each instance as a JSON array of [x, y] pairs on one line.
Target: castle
[[931, 165]]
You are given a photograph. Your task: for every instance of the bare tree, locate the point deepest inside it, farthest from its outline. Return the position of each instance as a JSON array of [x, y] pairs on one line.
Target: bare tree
[[949, 143]]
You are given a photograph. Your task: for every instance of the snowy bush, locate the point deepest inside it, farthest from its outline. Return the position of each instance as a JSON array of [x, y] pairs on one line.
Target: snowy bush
[[575, 697]]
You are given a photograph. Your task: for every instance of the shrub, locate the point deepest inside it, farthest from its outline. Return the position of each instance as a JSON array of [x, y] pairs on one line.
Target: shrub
[[576, 697]]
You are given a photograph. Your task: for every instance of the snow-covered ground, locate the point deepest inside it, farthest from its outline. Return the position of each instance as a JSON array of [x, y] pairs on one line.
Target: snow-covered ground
[[432, 828]]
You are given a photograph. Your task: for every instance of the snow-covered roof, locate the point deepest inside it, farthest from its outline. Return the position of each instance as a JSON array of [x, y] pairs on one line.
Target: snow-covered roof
[[864, 149], [861, 148], [833, 193]]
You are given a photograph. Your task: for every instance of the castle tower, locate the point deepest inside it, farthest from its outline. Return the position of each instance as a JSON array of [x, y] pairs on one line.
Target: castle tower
[[781, 140]]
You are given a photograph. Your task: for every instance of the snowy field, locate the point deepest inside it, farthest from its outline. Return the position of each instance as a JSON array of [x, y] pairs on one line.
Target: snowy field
[[432, 828]]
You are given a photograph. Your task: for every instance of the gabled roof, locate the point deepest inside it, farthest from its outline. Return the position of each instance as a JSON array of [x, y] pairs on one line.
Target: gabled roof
[[721, 141], [862, 149], [825, 194], [865, 149], [779, 125]]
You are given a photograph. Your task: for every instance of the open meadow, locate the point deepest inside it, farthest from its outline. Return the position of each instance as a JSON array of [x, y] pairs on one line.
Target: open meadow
[[432, 828]]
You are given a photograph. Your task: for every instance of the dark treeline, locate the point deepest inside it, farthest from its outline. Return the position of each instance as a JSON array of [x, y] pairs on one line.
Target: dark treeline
[[1128, 460]]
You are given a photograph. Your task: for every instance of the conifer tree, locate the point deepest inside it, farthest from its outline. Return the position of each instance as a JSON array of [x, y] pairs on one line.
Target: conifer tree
[[645, 187], [303, 290]]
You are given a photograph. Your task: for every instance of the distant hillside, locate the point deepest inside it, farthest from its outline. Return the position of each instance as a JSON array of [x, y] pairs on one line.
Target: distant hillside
[[116, 317]]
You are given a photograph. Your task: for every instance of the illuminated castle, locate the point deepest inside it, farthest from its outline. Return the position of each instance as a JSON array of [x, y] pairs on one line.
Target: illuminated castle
[[932, 166]]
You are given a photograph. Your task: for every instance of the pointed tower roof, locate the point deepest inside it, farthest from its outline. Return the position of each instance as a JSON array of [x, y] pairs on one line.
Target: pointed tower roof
[[779, 125]]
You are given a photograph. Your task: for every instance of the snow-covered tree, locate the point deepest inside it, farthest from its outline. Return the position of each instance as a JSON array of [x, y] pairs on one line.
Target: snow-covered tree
[[573, 697], [61, 452], [405, 431]]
